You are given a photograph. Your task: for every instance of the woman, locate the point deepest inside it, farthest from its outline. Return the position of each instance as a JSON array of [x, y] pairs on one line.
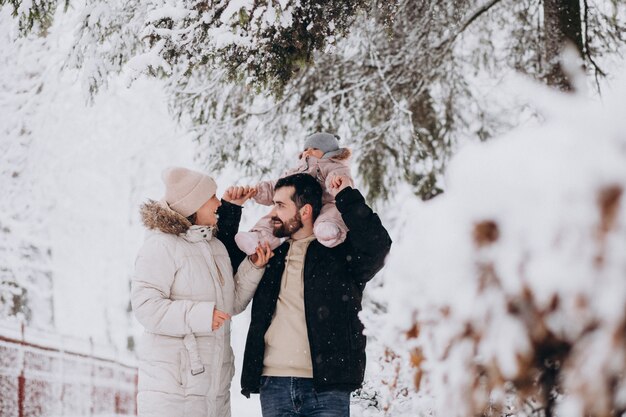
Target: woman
[[184, 294]]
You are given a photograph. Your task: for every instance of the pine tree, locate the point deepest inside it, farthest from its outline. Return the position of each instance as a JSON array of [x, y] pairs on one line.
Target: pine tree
[[394, 79], [35, 14], [25, 249]]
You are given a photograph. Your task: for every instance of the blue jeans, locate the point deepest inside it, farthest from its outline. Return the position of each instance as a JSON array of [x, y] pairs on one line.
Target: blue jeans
[[295, 397]]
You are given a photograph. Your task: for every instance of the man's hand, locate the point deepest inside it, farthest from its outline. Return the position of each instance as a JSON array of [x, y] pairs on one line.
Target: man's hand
[[262, 255], [338, 183], [219, 317], [239, 194]]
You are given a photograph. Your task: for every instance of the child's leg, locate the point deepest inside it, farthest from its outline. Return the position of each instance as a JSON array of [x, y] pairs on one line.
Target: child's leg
[[261, 232], [329, 228]]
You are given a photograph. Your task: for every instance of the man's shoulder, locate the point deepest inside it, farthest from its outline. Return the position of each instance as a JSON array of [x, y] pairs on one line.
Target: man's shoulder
[[334, 254]]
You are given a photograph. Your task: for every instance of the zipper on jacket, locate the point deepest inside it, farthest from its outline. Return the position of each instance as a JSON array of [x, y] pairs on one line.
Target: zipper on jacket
[[220, 277]]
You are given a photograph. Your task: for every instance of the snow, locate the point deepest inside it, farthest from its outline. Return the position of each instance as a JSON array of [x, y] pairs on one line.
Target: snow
[[223, 36], [542, 187], [148, 60], [233, 8], [25, 6], [167, 12]]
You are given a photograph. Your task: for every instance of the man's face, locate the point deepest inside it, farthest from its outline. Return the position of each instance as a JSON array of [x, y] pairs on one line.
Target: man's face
[[285, 215]]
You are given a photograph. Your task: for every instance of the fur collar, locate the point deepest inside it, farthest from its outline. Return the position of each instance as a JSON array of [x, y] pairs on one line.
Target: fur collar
[[156, 215], [345, 154]]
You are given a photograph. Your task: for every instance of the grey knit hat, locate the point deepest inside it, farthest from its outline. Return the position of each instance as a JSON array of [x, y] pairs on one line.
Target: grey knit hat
[[326, 142], [186, 190]]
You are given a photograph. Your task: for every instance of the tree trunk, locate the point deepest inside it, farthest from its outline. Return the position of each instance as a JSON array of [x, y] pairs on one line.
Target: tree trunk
[[562, 24]]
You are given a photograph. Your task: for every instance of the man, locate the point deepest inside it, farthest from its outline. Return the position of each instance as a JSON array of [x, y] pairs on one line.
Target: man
[[305, 350]]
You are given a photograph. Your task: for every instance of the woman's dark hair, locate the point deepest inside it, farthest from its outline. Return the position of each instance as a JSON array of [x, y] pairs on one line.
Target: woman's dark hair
[[192, 218], [307, 191]]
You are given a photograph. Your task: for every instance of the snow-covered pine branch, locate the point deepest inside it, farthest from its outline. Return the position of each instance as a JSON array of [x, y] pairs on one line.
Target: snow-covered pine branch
[[33, 15], [369, 70]]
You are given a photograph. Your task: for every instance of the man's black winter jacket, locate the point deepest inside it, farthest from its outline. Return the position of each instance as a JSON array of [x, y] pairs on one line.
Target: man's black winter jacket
[[334, 279]]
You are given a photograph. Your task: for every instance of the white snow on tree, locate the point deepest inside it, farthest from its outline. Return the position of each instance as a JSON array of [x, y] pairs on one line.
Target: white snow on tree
[[72, 176], [402, 82], [508, 296], [25, 247]]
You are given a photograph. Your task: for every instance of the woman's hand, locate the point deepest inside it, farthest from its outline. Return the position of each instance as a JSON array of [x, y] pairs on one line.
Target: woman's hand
[[239, 194], [262, 255], [219, 317]]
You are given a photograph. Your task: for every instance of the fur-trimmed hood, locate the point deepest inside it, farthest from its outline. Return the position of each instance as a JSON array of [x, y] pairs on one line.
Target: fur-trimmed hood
[[343, 154], [156, 215]]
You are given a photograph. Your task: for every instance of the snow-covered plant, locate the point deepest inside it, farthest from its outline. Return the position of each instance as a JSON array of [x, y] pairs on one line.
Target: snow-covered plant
[[396, 79], [32, 14], [25, 270], [263, 44], [508, 294]]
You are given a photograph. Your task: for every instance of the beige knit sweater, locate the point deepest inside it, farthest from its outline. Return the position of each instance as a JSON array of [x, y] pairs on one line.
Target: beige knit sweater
[[287, 351]]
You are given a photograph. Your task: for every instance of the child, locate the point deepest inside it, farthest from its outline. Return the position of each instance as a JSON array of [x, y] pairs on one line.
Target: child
[[324, 159]]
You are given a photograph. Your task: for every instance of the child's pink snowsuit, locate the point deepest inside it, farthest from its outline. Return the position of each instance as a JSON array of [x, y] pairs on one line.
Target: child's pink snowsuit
[[323, 170]]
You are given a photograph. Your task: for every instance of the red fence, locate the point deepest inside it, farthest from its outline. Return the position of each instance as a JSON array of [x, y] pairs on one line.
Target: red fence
[[40, 377]]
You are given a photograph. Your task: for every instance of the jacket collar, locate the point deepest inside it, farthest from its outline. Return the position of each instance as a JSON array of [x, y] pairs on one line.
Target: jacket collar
[[198, 233]]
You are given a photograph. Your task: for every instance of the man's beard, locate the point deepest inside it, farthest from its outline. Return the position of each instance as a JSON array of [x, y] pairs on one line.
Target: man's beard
[[288, 228]]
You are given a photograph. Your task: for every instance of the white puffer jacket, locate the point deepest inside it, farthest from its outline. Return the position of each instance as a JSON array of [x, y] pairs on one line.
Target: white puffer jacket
[[180, 277]]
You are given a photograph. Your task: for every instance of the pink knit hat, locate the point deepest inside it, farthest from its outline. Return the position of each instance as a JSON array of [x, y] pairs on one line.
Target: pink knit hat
[[186, 190]]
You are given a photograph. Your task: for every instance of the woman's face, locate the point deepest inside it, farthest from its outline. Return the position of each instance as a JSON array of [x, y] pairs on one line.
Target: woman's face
[[207, 214]]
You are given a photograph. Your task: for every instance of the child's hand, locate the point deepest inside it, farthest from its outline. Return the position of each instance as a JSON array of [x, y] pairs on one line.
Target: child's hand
[[239, 194], [338, 183], [262, 255]]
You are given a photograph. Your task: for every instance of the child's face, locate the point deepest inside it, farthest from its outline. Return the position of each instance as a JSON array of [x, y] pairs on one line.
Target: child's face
[[313, 152]]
